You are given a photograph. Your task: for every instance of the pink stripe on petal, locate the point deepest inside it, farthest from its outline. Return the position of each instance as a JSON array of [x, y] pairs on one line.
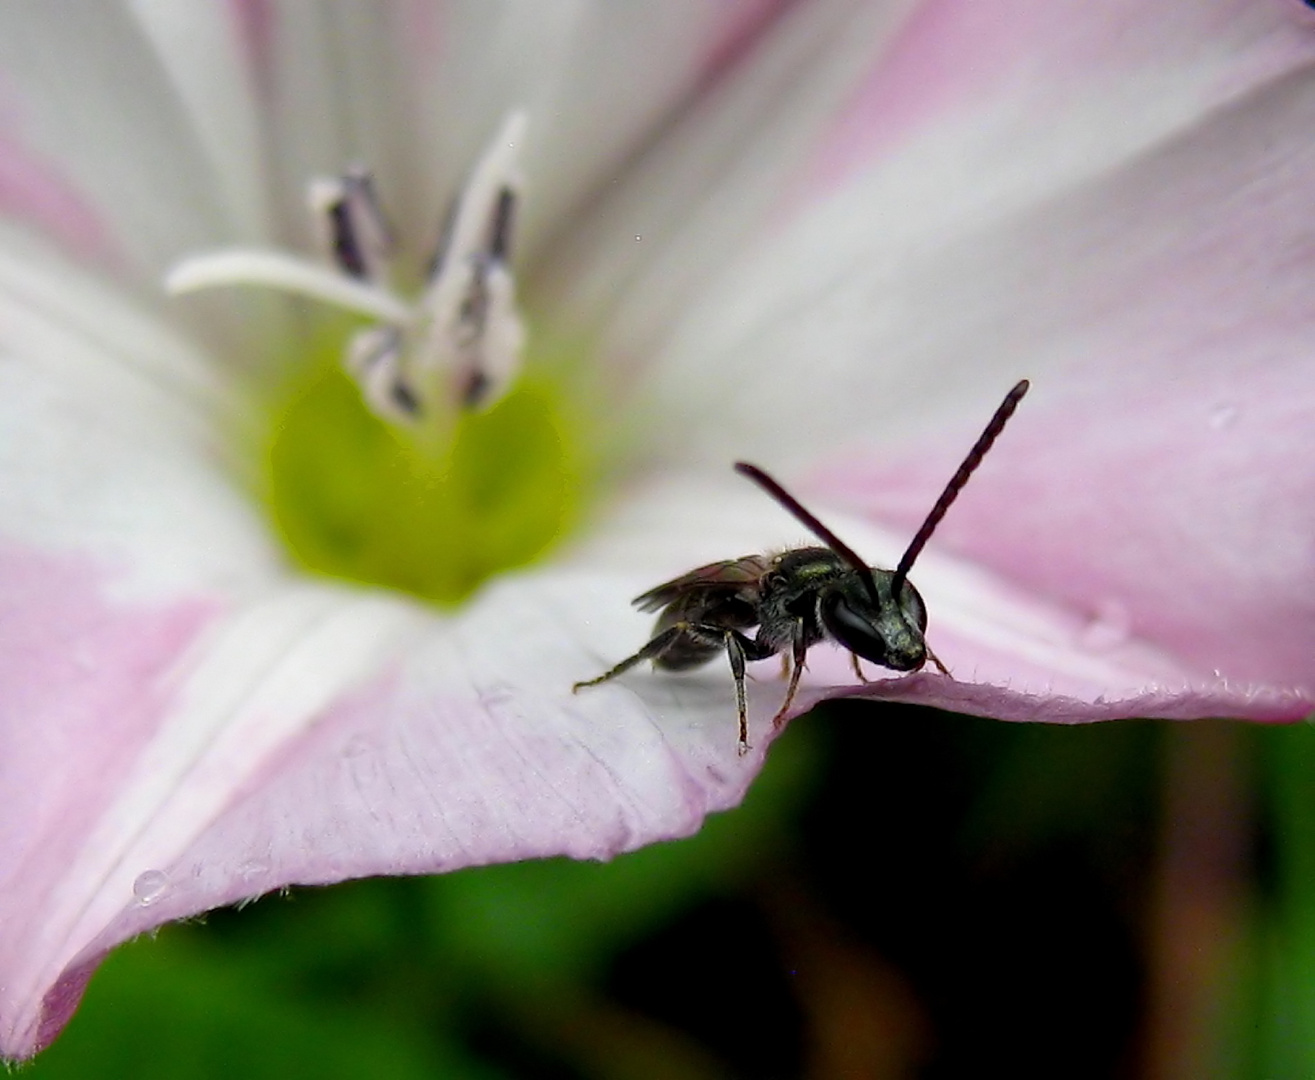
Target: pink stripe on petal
[[255, 21], [949, 51], [742, 21], [60, 1003], [1162, 467], [34, 192], [85, 687], [959, 56], [425, 32]]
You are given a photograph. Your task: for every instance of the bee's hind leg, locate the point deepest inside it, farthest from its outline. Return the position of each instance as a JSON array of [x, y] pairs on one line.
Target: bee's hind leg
[[652, 651], [739, 649]]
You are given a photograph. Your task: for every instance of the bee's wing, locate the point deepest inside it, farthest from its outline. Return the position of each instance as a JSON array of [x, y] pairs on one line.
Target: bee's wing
[[730, 575]]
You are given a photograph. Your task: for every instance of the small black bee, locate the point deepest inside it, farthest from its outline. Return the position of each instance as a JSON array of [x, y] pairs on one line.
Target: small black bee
[[800, 597]]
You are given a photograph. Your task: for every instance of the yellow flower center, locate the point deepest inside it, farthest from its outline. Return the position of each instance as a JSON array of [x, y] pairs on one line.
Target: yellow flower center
[[355, 497]]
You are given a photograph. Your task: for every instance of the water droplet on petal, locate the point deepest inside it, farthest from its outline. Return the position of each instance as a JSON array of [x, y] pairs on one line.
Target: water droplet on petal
[[361, 756], [1108, 628], [150, 886], [359, 746]]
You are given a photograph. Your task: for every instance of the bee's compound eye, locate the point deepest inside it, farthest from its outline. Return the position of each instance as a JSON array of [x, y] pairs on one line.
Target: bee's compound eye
[[855, 626], [914, 608]]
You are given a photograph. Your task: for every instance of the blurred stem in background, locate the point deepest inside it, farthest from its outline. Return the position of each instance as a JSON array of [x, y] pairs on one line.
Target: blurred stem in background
[[904, 894], [1283, 1003], [1198, 899]]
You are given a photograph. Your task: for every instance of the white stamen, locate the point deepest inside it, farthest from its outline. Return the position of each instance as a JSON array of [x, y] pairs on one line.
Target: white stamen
[[474, 336], [498, 169], [278, 270], [460, 344]]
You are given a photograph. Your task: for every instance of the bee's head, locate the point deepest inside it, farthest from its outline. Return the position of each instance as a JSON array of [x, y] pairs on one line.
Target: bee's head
[[860, 610], [883, 632]]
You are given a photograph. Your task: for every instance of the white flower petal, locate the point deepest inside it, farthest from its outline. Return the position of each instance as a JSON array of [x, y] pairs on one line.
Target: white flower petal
[[197, 45], [114, 435], [86, 89], [598, 79], [951, 256]]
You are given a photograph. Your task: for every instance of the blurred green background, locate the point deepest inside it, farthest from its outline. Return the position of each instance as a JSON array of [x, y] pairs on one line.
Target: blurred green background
[[904, 894]]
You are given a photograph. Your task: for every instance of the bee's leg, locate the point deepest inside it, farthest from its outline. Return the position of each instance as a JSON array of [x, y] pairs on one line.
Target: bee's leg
[[651, 651], [853, 661], [739, 649], [735, 651], [798, 653], [935, 660]]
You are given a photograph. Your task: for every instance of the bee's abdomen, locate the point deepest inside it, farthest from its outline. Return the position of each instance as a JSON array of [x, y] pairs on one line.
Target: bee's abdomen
[[706, 615], [687, 652]]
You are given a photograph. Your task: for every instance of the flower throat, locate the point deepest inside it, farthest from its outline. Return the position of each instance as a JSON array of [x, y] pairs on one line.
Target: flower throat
[[420, 457], [356, 497]]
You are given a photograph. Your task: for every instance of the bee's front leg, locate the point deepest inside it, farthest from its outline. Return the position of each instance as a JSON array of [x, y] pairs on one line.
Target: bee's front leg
[[858, 670], [799, 654], [739, 649], [937, 661], [735, 643]]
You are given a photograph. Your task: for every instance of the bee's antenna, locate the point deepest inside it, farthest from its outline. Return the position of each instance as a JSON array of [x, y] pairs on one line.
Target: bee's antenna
[[819, 530], [957, 481]]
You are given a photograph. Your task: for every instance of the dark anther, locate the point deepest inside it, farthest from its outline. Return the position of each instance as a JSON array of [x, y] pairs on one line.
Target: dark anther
[[500, 235], [405, 398], [346, 248], [444, 242], [476, 389]]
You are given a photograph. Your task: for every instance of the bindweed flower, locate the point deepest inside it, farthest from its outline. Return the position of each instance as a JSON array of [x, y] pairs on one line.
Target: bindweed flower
[[256, 631]]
